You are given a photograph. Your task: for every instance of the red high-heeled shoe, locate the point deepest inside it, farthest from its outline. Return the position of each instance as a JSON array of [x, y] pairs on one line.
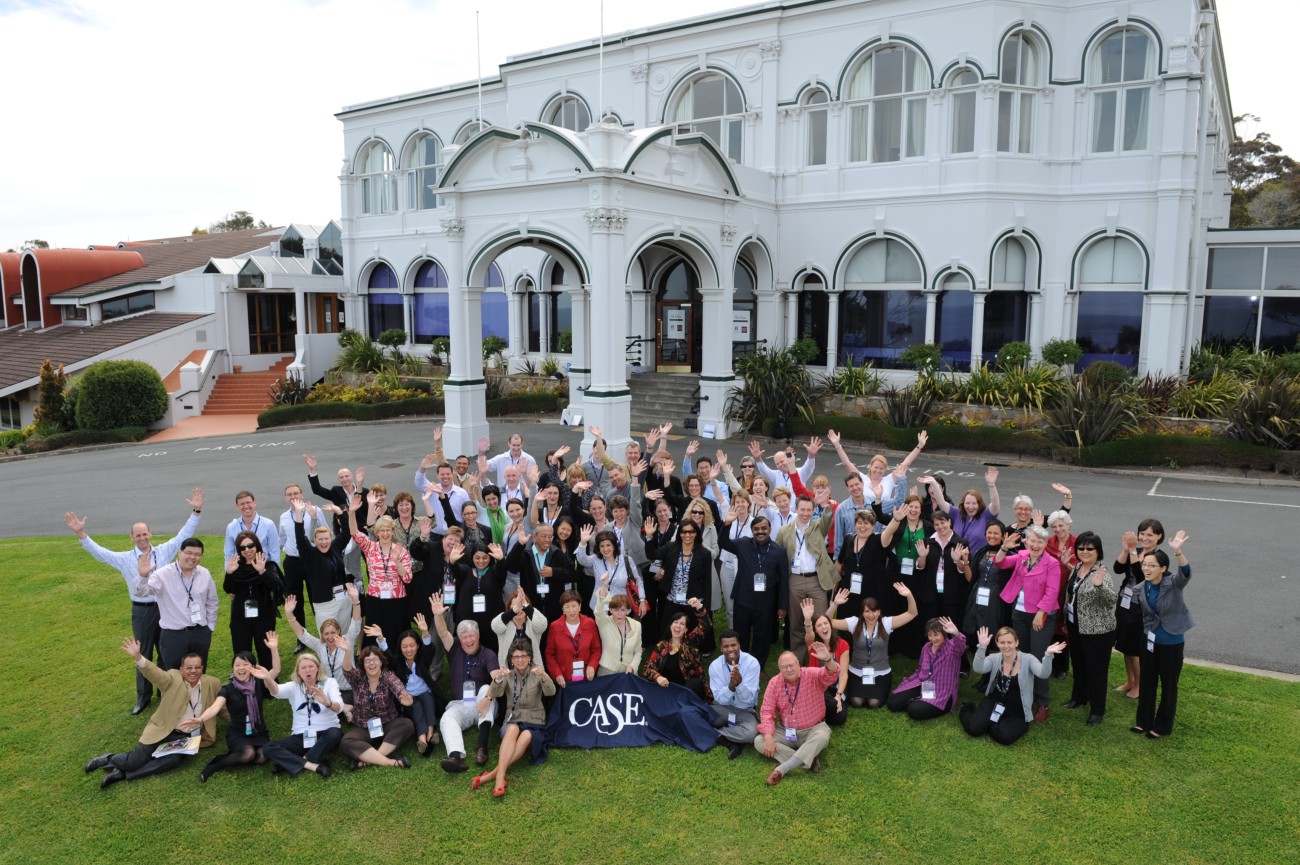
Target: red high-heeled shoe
[[480, 780], [500, 791]]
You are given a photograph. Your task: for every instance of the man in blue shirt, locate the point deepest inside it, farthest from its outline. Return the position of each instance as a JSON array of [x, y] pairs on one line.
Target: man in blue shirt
[[734, 679]]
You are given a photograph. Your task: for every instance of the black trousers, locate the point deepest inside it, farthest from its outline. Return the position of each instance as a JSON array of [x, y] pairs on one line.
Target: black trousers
[[139, 762], [1091, 656], [295, 584], [1165, 664], [145, 628], [755, 630], [174, 645], [393, 616], [978, 720], [290, 755], [917, 709], [249, 635]]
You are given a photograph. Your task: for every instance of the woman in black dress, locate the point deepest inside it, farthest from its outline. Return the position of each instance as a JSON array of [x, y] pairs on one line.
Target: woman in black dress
[[243, 697]]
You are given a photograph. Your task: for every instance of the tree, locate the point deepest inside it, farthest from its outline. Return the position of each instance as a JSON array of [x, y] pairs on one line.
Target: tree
[[51, 410], [1254, 166], [119, 393], [37, 244], [240, 220]]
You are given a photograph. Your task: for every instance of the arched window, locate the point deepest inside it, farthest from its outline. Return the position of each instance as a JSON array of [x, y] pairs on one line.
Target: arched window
[[961, 110], [1112, 277], [422, 160], [1121, 73], [378, 178], [569, 112], [1022, 74], [815, 115], [814, 316], [1006, 306], [953, 313], [432, 316], [495, 305], [384, 306], [882, 308], [887, 106], [469, 130], [712, 104]]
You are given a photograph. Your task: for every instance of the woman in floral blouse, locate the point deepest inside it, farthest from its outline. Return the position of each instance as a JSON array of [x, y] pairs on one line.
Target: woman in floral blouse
[[389, 568], [677, 659], [1090, 624], [378, 726]]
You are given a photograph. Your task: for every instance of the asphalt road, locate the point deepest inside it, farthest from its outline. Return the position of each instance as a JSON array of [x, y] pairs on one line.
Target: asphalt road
[[1243, 594]]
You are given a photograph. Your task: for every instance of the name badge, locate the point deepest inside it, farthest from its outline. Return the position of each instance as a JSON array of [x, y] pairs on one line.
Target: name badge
[[375, 727], [997, 712], [678, 597], [791, 734], [248, 726], [386, 594], [982, 596], [468, 692], [196, 613], [855, 583], [1020, 602], [568, 587], [339, 592], [1069, 613], [579, 672], [906, 566], [1151, 641], [928, 691], [543, 589], [938, 580], [250, 609], [449, 593], [731, 719], [309, 738], [655, 567], [480, 603], [1126, 598], [760, 582], [869, 676]]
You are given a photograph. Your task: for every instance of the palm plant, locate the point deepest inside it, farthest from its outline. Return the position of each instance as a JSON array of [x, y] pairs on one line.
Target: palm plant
[[775, 385]]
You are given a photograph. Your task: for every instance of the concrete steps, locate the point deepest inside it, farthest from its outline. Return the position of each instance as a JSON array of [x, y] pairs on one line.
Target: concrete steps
[[244, 392], [658, 397]]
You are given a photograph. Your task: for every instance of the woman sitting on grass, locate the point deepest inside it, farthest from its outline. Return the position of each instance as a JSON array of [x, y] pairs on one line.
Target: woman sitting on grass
[[524, 728], [315, 703], [932, 689], [242, 696], [1007, 708]]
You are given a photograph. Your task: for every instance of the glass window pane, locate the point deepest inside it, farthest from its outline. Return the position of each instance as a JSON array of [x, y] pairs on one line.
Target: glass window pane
[[1109, 59], [1006, 108], [1103, 122], [431, 275], [888, 73], [496, 315], [963, 123], [878, 325], [1281, 324], [1128, 261], [709, 97], [1136, 102], [1099, 263], [1230, 320], [432, 316], [1009, 262], [1136, 51], [817, 137], [916, 127], [900, 264], [860, 125], [382, 277], [1026, 123], [868, 263], [952, 322], [534, 322], [712, 129], [734, 129], [385, 313], [1283, 268], [561, 316], [1028, 63], [814, 315], [1236, 268], [1006, 319], [1110, 327], [887, 131], [818, 97], [1011, 60]]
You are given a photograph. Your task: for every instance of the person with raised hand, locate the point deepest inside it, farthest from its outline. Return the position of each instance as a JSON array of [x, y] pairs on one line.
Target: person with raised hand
[[417, 661], [812, 567], [389, 568], [971, 516], [325, 573], [793, 700], [255, 585], [931, 691], [620, 634], [471, 665], [242, 697], [479, 586], [1033, 590], [187, 603], [1006, 711], [145, 626], [1130, 636], [186, 693], [316, 703], [523, 685], [1165, 620], [520, 621], [870, 676], [818, 629], [883, 489], [329, 648], [677, 659], [379, 727], [734, 681]]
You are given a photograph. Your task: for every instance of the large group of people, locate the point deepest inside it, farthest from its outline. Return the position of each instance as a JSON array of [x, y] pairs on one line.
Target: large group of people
[[525, 576]]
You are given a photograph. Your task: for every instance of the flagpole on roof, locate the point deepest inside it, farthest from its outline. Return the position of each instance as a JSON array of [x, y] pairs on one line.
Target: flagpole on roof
[[478, 61]]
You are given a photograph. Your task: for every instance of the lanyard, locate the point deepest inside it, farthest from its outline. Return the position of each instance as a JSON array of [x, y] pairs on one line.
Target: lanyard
[[189, 590], [799, 536], [576, 639], [520, 684], [761, 555], [478, 580], [540, 560], [194, 707], [870, 638], [618, 563], [330, 659], [790, 701], [622, 641]]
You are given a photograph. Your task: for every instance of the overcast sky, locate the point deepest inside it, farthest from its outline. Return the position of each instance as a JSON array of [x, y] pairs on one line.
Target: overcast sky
[[132, 119]]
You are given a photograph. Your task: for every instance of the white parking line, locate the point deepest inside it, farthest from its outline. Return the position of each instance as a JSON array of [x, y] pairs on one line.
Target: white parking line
[[1152, 491], [1157, 495]]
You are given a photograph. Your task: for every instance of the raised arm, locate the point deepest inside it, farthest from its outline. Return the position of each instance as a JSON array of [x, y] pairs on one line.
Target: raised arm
[[991, 478]]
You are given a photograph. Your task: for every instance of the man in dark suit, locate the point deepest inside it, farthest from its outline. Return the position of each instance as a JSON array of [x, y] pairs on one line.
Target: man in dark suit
[[761, 587], [341, 495]]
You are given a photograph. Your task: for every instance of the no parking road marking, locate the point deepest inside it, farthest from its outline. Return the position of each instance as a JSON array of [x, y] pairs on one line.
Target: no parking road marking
[[1156, 485]]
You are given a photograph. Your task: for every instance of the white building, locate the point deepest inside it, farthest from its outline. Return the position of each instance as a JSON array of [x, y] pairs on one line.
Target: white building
[[868, 173]]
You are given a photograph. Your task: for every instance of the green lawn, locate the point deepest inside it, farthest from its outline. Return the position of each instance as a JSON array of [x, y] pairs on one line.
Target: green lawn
[[1222, 789]]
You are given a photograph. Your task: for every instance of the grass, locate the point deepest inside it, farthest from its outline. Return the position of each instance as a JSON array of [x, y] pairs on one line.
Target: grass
[[1221, 789]]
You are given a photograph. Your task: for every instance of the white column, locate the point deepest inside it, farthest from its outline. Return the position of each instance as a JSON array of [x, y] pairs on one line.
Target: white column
[[580, 356], [296, 369], [977, 329], [1036, 319], [767, 308], [464, 391], [791, 320], [518, 301], [931, 307], [607, 403], [544, 324], [716, 376], [832, 329]]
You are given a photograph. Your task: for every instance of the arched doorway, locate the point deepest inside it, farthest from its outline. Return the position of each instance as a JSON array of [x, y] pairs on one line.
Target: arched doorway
[[679, 317]]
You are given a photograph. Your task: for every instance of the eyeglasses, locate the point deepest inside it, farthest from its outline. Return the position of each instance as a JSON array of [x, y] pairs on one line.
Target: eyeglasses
[[687, 532], [697, 513], [192, 667], [1085, 549], [746, 465], [248, 546]]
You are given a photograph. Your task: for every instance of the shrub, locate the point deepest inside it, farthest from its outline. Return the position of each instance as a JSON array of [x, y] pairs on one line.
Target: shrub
[[1032, 386], [394, 338], [805, 350], [82, 437], [52, 409], [550, 366], [908, 408], [775, 384], [441, 346], [1086, 413], [924, 357], [1268, 413], [851, 380], [119, 393], [11, 438], [527, 365], [359, 353], [1157, 391], [1014, 354], [564, 342], [1107, 375], [1061, 352], [983, 387], [494, 386], [288, 391], [1190, 450], [494, 347]]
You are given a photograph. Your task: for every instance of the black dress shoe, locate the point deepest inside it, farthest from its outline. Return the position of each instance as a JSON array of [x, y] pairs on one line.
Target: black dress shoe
[[735, 751], [98, 763], [719, 723], [402, 762], [323, 769], [481, 756], [1094, 720], [454, 763], [141, 704], [1060, 675], [1073, 704], [354, 765], [112, 778]]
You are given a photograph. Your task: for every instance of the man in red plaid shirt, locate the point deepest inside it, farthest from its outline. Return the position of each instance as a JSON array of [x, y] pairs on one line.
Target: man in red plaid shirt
[[792, 724]]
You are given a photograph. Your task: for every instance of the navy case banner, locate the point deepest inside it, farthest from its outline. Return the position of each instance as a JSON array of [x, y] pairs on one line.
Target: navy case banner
[[626, 711]]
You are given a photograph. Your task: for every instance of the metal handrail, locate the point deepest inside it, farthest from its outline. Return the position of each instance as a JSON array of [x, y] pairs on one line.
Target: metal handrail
[[216, 354]]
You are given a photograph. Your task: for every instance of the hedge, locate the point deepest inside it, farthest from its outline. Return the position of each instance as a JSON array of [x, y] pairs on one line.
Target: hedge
[[114, 394], [1172, 451], [80, 437], [283, 415]]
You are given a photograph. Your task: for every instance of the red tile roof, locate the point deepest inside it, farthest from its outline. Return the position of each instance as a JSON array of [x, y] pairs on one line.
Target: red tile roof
[[23, 351], [10, 284]]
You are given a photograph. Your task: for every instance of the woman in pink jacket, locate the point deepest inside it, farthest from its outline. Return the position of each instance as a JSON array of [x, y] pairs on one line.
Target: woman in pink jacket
[[1032, 591]]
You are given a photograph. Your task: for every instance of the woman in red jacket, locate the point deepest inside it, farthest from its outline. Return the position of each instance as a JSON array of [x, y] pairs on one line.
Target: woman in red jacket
[[572, 644]]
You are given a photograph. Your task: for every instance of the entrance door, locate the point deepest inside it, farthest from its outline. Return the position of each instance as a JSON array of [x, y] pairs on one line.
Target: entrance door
[[271, 325], [329, 313], [678, 320]]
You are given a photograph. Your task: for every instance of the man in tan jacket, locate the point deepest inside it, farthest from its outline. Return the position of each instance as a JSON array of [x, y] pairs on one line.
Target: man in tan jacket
[[812, 567], [186, 693]]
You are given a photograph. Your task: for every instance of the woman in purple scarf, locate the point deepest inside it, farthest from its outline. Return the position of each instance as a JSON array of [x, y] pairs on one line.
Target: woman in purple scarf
[[242, 696]]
